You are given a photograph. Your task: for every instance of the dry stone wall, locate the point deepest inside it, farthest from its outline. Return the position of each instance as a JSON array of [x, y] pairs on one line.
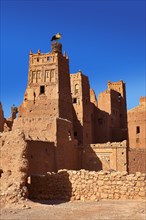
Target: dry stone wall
[[88, 185]]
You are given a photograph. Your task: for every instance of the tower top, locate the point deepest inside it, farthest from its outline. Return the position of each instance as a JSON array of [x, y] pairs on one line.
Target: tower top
[[56, 47]]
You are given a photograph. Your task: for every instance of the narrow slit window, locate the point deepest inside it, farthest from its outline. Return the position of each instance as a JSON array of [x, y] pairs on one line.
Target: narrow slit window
[[75, 134], [137, 130], [42, 89]]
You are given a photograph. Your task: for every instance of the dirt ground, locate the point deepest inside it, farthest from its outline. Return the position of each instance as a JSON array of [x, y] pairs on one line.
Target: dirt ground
[[59, 210]]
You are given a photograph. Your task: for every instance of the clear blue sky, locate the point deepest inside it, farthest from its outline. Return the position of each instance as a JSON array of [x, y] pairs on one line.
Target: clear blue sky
[[104, 39]]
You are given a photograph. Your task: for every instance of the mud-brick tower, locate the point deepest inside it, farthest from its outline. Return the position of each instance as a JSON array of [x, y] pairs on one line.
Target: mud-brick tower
[[80, 89], [46, 112], [113, 113]]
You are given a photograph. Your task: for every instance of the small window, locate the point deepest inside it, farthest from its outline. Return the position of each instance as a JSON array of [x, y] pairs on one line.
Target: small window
[[100, 121], [37, 59], [75, 134], [42, 89], [137, 130], [119, 97], [48, 58], [74, 100]]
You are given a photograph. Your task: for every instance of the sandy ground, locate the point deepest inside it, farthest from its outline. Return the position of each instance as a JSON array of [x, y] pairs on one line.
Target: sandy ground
[[59, 210]]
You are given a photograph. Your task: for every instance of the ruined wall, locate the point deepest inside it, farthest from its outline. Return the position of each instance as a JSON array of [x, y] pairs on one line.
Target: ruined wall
[[137, 125], [13, 166], [37, 128], [85, 185], [136, 160], [108, 156]]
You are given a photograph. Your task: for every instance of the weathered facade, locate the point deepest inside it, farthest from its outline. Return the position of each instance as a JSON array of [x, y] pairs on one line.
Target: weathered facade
[[137, 125], [62, 125], [45, 115], [66, 126], [137, 137]]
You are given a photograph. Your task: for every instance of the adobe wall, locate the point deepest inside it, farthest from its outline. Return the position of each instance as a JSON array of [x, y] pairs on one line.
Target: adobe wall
[[105, 156], [80, 90], [66, 150], [1, 118], [137, 125], [13, 166], [136, 160], [41, 157], [37, 128], [113, 102], [64, 88], [86, 185]]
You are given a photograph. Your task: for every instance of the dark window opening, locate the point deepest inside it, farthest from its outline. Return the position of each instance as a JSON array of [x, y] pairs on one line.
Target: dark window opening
[[37, 59], [122, 152], [137, 130], [119, 97], [48, 58], [74, 100], [34, 95], [1, 171], [100, 121], [75, 134], [42, 89]]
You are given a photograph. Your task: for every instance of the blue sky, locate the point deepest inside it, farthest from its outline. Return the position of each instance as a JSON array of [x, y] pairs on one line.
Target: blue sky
[[104, 39]]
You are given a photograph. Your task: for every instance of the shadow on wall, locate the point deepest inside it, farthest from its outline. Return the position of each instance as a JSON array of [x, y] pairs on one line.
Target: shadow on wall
[[52, 186], [89, 159]]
